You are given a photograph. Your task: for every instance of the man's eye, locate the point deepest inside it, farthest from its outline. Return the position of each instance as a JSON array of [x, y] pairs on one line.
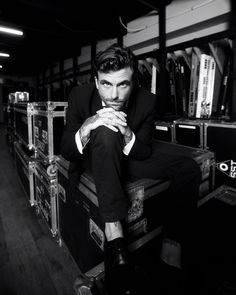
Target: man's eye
[[107, 85], [124, 85]]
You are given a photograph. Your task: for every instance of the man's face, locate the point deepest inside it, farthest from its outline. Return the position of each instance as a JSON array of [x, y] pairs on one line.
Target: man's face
[[115, 88]]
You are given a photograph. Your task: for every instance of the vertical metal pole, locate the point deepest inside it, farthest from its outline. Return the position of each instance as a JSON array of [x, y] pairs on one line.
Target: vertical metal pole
[[61, 72], [233, 28], [75, 65], [44, 89], [162, 48], [93, 54], [37, 88], [51, 91]]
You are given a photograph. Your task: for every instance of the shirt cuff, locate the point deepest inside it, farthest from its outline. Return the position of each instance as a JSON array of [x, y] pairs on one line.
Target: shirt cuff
[[78, 142], [127, 148]]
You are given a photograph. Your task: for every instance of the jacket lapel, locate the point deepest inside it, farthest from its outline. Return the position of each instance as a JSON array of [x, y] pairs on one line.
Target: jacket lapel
[[96, 103], [131, 112]]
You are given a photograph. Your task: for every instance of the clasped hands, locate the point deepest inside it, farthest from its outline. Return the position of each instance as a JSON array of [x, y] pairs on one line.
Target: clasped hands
[[112, 119]]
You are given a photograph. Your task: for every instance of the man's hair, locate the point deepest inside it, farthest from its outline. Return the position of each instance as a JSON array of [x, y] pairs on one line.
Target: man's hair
[[114, 58]]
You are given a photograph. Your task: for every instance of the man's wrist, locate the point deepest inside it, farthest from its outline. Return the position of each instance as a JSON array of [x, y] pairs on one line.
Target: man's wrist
[[84, 135], [128, 136]]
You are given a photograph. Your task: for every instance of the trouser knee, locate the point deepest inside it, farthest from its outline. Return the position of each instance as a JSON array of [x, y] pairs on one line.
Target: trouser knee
[[106, 139]]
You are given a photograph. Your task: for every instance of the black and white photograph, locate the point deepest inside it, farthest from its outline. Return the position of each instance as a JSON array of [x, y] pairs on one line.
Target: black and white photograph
[[117, 147]]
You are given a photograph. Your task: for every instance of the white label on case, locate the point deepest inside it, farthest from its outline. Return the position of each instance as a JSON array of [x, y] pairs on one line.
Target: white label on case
[[187, 126], [162, 128]]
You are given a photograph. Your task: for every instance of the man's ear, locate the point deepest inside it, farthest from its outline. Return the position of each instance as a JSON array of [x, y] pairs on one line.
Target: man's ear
[[96, 82]]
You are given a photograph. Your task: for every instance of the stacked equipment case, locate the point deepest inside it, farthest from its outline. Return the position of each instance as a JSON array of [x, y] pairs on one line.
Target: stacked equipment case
[[10, 127], [23, 112], [81, 229], [211, 135], [80, 217], [220, 138], [48, 123], [205, 159], [25, 164], [189, 132], [49, 120], [46, 194], [38, 127], [164, 131], [24, 152]]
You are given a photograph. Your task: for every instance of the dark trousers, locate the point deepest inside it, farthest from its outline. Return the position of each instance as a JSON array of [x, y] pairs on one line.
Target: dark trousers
[[110, 168]]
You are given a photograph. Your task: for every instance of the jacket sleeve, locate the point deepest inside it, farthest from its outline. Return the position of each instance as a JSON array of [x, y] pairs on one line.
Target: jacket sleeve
[[142, 147], [68, 146]]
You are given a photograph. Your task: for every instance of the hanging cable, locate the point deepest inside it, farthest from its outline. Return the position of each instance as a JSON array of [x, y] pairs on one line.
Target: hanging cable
[[188, 10]]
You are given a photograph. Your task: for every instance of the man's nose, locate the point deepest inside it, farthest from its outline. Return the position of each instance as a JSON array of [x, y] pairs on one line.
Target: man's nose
[[114, 94]]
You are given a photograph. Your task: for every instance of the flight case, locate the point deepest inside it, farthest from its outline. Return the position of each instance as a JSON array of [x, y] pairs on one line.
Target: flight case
[[164, 131], [11, 116], [205, 159], [80, 217], [46, 194], [10, 139], [25, 163], [24, 122], [49, 120], [223, 193], [189, 132], [220, 138]]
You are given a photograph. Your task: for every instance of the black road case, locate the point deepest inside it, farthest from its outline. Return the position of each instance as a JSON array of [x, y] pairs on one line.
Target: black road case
[[25, 163], [220, 138], [11, 115], [189, 132], [215, 243], [80, 227], [223, 193], [45, 178], [24, 122], [205, 159], [164, 131], [10, 139], [5, 113], [49, 120]]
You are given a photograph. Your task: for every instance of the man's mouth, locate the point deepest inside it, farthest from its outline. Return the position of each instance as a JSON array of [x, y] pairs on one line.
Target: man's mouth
[[115, 102]]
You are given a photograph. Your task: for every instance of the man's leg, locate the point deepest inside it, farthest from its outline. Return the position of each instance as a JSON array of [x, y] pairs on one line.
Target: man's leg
[[106, 151], [106, 165]]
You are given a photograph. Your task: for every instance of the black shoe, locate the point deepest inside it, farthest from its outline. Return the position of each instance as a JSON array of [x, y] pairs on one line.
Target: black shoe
[[116, 254], [117, 267]]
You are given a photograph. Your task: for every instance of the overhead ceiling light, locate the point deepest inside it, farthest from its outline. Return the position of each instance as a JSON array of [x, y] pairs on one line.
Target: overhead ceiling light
[[4, 54], [10, 31], [0, 66]]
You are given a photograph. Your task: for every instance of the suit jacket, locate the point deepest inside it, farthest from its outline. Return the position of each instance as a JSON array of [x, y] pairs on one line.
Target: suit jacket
[[84, 101]]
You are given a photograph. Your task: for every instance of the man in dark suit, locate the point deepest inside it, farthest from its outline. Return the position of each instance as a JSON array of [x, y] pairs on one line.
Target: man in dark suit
[[109, 132]]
